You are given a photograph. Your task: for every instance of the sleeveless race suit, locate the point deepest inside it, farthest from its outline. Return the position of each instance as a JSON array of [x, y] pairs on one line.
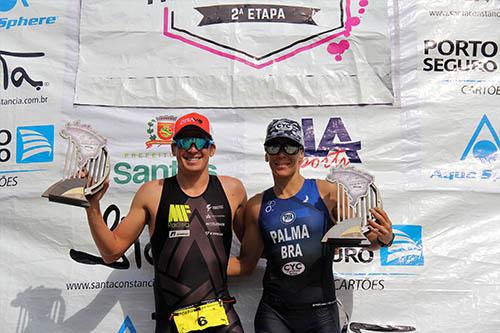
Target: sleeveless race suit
[[191, 244], [299, 294]]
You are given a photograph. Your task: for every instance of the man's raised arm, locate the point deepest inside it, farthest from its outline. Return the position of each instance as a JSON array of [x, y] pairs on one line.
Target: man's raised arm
[[112, 244]]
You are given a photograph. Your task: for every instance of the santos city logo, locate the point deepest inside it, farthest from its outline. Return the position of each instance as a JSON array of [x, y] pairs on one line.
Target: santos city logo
[[35, 144], [160, 131], [278, 29], [406, 250]]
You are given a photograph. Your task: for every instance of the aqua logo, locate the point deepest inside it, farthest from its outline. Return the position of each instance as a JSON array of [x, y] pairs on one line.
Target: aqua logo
[[406, 250], [6, 5], [482, 148], [35, 144], [484, 143]]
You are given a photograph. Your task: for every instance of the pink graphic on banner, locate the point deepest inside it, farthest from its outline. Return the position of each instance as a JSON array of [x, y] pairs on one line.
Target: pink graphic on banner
[[363, 3], [337, 49]]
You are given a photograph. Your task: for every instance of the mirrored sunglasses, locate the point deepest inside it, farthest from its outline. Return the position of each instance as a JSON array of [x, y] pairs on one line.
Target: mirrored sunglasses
[[275, 148], [199, 143]]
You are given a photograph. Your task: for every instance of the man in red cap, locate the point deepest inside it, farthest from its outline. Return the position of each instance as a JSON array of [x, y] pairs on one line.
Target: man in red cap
[[190, 218]]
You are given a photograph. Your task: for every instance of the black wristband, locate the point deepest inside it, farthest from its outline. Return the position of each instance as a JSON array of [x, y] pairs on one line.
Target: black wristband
[[388, 244]]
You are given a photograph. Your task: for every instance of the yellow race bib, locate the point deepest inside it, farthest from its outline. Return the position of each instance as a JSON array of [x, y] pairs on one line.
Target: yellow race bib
[[197, 318]]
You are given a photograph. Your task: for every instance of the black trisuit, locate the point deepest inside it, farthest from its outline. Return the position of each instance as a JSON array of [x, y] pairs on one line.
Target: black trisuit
[[191, 244]]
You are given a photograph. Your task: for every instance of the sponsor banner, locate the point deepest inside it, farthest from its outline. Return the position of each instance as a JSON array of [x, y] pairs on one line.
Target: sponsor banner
[[233, 54], [21, 86], [25, 14], [140, 144], [458, 56], [31, 73], [459, 154], [332, 136], [435, 160], [451, 101], [363, 269], [71, 278], [463, 10], [26, 153]]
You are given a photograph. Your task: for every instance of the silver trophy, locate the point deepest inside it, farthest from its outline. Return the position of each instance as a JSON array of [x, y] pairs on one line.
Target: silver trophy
[[356, 195], [86, 166]]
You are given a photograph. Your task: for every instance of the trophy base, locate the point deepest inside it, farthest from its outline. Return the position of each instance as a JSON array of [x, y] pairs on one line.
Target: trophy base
[[348, 233], [347, 242], [69, 192]]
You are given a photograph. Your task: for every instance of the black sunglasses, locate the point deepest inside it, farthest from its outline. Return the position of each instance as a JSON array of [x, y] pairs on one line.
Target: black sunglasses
[[275, 147]]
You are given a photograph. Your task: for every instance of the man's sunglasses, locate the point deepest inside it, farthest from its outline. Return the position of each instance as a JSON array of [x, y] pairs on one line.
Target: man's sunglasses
[[199, 143], [275, 148]]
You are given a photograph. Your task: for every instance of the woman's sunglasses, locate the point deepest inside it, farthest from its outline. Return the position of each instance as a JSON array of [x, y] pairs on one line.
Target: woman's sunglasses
[[275, 148], [199, 143]]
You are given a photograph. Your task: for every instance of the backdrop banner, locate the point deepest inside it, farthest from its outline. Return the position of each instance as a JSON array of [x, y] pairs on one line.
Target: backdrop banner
[[206, 53], [138, 65]]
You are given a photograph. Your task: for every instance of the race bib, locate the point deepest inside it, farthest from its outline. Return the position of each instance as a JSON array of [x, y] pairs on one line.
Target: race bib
[[197, 318]]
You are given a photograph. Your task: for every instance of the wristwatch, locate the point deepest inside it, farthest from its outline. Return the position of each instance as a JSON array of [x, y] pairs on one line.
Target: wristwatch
[[382, 244]]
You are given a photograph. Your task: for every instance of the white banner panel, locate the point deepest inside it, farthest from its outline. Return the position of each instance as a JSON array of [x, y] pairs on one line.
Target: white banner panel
[[453, 96], [435, 159], [207, 53]]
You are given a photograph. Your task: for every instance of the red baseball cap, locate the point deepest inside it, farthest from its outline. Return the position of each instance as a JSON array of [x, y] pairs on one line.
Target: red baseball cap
[[192, 119]]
